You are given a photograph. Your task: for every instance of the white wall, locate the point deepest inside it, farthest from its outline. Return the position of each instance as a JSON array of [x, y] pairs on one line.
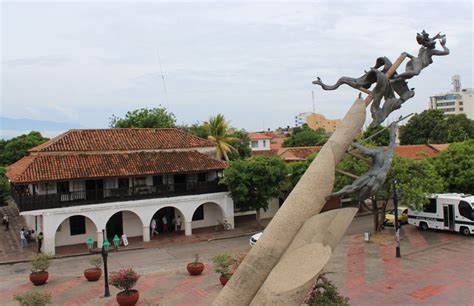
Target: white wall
[[273, 206], [63, 236], [262, 145], [132, 226], [212, 213]]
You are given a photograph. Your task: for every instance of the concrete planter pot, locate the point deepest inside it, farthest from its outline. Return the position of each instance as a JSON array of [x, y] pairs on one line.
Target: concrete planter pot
[[224, 279], [124, 299], [92, 274], [39, 278], [195, 268]]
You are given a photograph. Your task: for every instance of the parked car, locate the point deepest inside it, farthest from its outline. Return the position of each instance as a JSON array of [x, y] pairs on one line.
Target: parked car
[[402, 216], [254, 238]]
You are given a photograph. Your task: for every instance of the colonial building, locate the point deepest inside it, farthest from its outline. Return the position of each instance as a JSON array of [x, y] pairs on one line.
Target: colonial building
[[83, 181]]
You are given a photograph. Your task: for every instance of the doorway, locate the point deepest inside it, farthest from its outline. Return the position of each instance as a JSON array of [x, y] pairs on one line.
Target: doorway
[[94, 190], [448, 211], [115, 225]]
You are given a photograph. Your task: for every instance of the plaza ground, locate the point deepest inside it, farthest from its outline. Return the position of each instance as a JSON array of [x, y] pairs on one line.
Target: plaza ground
[[436, 268]]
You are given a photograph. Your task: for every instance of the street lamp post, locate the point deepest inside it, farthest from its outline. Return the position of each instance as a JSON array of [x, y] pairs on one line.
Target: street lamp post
[[105, 253], [397, 229]]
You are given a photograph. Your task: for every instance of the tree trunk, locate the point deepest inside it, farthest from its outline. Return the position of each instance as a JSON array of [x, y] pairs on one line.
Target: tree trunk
[[257, 215], [375, 214], [382, 213]]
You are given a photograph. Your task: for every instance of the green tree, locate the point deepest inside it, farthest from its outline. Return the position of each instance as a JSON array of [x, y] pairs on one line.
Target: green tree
[[15, 148], [432, 126], [241, 142], [382, 139], [145, 118], [305, 136], [4, 186], [456, 166], [197, 129], [218, 130], [255, 181]]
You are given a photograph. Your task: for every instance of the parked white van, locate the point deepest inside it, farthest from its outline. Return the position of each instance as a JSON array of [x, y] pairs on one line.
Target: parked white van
[[449, 211]]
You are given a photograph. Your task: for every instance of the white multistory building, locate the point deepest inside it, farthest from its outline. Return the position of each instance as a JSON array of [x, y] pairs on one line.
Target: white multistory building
[[457, 101]]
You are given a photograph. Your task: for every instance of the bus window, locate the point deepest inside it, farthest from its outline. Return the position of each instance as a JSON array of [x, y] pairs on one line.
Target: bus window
[[430, 207], [466, 210]]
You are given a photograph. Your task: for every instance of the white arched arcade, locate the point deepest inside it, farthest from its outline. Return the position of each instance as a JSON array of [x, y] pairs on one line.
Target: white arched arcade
[[136, 216]]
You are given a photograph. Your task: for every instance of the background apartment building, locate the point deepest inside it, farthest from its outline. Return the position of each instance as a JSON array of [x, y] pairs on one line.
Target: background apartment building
[[316, 121], [457, 101]]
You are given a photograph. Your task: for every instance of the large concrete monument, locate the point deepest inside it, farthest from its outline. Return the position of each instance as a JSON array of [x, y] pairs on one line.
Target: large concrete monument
[[281, 268]]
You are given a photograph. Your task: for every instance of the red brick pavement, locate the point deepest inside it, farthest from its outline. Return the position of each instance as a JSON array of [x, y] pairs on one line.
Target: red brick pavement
[[435, 269]]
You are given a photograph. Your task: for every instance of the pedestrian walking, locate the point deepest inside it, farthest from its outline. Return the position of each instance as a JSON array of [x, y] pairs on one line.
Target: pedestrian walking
[[153, 227], [178, 223], [39, 239], [6, 222], [24, 242], [165, 224]]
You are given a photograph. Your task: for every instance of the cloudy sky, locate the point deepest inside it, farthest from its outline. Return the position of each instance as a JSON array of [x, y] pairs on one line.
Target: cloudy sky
[[81, 62]]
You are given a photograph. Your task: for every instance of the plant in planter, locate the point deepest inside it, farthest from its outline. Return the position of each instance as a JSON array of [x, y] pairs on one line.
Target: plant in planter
[[33, 298], [125, 280], [324, 292], [196, 267], [40, 262], [222, 265], [93, 274]]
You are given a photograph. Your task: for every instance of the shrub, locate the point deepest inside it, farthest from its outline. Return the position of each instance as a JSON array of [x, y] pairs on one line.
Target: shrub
[[125, 279], [324, 293], [96, 261], [196, 259], [238, 260], [36, 298], [223, 263], [40, 262]]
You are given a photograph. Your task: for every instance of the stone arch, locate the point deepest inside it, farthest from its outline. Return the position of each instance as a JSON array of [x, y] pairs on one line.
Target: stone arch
[[124, 221], [75, 229], [207, 214], [170, 213]]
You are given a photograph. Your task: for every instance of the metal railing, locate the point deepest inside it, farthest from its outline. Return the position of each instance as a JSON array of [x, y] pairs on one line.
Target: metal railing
[[86, 197]]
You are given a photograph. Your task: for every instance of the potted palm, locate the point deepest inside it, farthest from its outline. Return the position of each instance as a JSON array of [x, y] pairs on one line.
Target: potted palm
[[93, 274], [196, 267], [40, 262], [125, 280], [222, 265], [33, 298]]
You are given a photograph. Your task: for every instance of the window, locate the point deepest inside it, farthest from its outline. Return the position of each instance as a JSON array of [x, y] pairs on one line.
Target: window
[[264, 143], [466, 210], [140, 181], [63, 187], [254, 144], [77, 225], [157, 180], [202, 177], [199, 213], [461, 108], [431, 207]]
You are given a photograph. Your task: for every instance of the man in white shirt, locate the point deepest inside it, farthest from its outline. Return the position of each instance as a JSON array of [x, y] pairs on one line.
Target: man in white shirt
[[24, 242], [178, 223], [153, 227]]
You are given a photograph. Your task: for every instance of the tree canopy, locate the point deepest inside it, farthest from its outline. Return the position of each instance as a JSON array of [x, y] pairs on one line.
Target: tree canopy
[[145, 118], [432, 126], [4, 186], [14, 149], [304, 136], [456, 166], [381, 139], [254, 181], [241, 142]]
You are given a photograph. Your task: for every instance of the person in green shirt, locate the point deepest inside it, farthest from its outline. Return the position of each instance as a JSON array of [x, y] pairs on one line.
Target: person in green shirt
[[39, 238]]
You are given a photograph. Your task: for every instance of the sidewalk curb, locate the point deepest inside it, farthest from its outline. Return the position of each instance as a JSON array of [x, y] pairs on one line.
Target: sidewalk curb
[[233, 236], [12, 262]]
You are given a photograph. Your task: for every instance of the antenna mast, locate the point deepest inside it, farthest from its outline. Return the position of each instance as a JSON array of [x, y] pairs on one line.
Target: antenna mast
[[165, 92]]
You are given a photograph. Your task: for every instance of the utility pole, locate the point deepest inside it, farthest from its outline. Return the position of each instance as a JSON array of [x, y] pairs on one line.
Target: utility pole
[[397, 229]]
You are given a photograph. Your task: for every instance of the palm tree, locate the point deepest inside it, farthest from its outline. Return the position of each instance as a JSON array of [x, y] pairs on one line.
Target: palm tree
[[218, 129]]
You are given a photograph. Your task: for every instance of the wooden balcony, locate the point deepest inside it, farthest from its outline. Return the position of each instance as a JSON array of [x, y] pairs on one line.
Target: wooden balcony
[[96, 196]]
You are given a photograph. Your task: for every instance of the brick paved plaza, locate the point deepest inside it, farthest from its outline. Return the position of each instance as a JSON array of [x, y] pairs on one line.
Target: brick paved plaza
[[436, 268]]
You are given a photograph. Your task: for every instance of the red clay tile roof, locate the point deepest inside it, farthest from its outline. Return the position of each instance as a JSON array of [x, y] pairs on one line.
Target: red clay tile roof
[[421, 151], [257, 136], [88, 140], [297, 153], [265, 152], [51, 167]]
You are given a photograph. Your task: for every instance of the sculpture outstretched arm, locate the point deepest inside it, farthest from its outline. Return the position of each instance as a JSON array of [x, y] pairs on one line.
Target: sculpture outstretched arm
[[439, 52], [364, 150]]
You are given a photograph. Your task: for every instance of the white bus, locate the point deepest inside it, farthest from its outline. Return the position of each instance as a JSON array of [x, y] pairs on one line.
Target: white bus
[[452, 212]]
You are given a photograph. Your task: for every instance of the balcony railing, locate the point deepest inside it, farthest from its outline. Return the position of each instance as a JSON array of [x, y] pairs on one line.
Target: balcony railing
[[86, 197]]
